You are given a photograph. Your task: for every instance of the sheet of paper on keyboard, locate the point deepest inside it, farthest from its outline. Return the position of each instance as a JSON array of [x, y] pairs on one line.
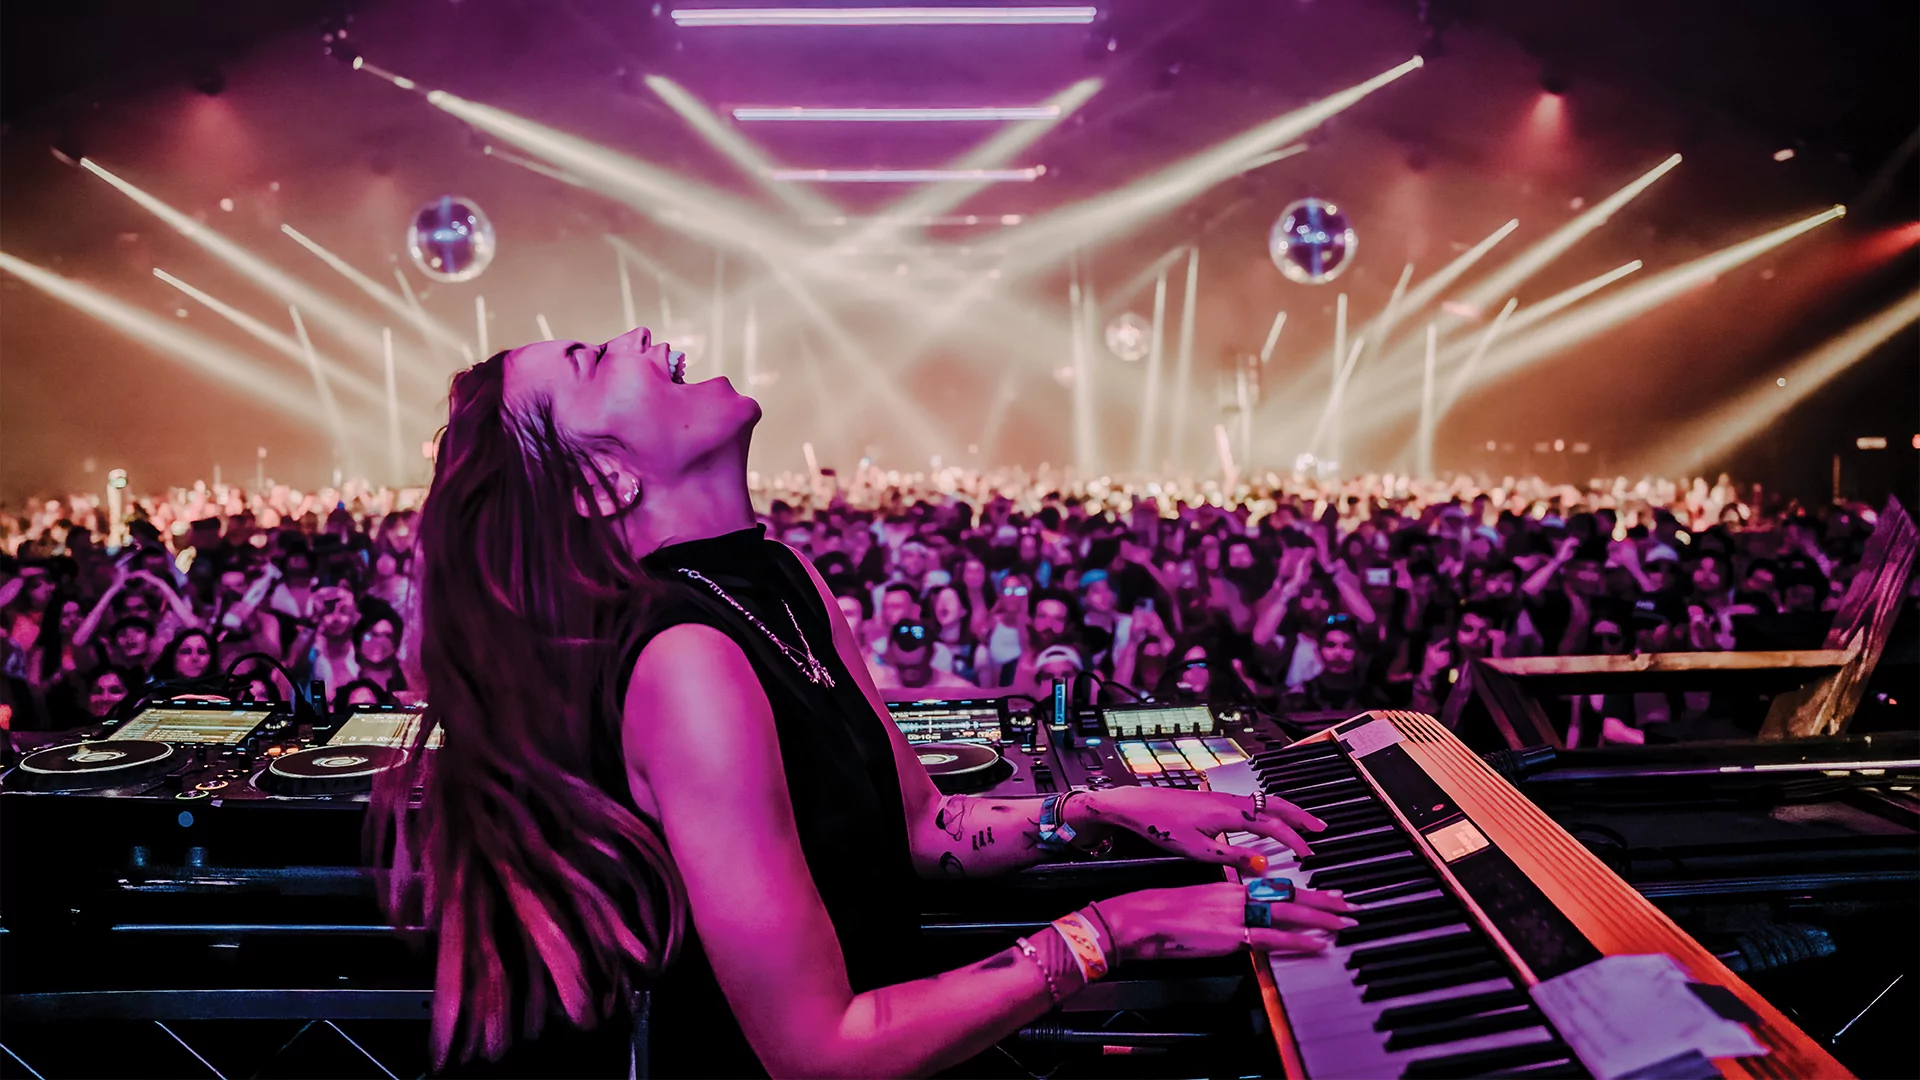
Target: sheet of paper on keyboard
[[1621, 1014], [1235, 779]]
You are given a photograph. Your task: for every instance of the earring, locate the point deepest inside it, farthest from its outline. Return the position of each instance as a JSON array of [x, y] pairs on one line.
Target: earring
[[632, 494]]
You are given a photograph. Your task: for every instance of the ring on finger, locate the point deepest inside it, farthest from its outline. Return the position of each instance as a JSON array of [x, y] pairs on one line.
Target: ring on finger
[[1259, 802]]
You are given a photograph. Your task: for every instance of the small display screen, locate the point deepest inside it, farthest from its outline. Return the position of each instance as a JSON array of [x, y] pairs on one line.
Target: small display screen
[[218, 726], [383, 729], [952, 721], [1161, 720]]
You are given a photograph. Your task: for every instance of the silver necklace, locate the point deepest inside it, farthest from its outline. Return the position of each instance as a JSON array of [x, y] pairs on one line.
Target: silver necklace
[[809, 665]]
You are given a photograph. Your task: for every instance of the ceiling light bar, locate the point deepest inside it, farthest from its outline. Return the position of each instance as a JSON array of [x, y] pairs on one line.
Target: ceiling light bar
[[906, 176], [885, 16], [910, 116]]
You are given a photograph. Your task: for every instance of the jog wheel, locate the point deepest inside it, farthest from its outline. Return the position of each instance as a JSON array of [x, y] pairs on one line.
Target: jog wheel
[[330, 770], [86, 766], [958, 768]]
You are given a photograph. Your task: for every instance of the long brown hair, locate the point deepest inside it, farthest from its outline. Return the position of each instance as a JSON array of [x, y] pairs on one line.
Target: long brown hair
[[544, 886]]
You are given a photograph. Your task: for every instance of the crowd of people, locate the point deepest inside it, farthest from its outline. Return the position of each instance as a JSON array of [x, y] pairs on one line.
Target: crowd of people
[[1295, 594]]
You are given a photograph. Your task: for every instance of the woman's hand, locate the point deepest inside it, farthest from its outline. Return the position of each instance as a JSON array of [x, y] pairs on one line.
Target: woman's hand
[[1191, 824], [1210, 920]]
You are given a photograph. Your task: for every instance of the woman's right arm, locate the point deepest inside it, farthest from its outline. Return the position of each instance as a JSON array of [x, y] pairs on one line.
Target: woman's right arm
[[702, 749]]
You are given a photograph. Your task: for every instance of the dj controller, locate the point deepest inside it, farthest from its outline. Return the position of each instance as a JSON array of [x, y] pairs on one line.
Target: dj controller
[[200, 867], [983, 746]]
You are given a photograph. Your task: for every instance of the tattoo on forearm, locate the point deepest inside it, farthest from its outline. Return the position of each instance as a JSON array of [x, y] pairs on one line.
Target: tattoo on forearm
[[1156, 833], [951, 866], [982, 838], [997, 961], [1249, 815], [952, 817]]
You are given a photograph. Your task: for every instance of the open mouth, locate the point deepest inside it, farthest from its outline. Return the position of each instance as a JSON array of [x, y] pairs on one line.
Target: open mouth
[[677, 366]]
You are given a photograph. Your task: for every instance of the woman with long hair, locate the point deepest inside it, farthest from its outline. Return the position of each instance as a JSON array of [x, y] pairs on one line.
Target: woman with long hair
[[665, 767]]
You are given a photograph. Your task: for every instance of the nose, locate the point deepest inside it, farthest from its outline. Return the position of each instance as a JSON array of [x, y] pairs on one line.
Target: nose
[[639, 339]]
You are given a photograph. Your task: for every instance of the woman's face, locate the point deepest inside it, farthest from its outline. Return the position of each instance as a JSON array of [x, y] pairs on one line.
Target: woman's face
[[108, 691], [70, 617], [973, 574], [378, 642], [1336, 652], [627, 393], [947, 608], [193, 656]]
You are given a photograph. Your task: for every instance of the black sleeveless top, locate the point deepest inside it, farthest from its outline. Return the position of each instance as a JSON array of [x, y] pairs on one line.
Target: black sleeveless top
[[840, 773]]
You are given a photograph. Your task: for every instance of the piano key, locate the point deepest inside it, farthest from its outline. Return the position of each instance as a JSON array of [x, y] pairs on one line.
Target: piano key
[[1327, 794], [1390, 892], [1413, 1036], [1355, 839], [1391, 989], [1346, 1056], [1433, 1012], [1388, 870], [1300, 753], [1345, 851], [1283, 782], [1386, 928], [1420, 945], [1479, 1060], [1565, 1066], [1407, 908], [1433, 962]]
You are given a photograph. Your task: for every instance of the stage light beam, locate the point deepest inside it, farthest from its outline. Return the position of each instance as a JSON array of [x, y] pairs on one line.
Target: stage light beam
[[1507, 279], [1707, 440], [279, 342], [1096, 219], [245, 373]]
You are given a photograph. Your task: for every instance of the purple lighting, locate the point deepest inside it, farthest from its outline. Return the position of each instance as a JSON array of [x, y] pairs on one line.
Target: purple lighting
[[988, 112], [885, 16], [906, 176]]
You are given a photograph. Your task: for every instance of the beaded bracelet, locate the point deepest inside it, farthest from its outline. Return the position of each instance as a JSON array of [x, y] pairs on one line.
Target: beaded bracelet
[[1053, 989]]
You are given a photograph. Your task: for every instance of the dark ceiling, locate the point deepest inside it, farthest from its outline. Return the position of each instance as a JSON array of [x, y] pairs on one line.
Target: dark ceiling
[[1826, 77]]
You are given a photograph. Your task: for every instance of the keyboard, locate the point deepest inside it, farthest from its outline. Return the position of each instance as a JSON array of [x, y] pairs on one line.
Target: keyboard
[[1469, 895]]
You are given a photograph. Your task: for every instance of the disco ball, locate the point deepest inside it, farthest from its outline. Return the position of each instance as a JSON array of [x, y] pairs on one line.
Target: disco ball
[[1312, 242], [450, 239], [1130, 337]]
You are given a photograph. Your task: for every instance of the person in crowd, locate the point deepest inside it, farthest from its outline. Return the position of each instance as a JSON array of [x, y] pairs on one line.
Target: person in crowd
[[910, 673], [376, 648], [186, 661], [107, 687]]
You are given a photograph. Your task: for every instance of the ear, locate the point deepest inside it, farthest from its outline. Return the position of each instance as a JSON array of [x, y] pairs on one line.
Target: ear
[[606, 489]]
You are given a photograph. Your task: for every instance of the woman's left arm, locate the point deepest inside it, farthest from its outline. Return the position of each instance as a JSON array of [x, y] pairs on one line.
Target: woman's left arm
[[976, 836]]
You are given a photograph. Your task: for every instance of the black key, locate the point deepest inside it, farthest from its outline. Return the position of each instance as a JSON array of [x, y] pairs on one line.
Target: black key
[[1566, 1066], [1433, 1012], [1388, 989], [1328, 794], [1482, 1062], [1438, 963], [1414, 1036], [1313, 751], [1380, 954], [1384, 872], [1357, 844], [1389, 892], [1353, 816], [1386, 928], [1293, 793], [1352, 850], [1281, 781], [1407, 910]]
